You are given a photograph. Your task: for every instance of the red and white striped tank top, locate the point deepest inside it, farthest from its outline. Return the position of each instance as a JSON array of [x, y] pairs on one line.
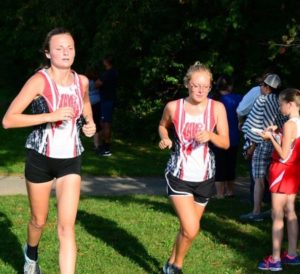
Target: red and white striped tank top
[[190, 160], [60, 139]]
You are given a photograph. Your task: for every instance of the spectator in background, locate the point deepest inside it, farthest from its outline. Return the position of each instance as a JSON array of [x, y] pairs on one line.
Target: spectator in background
[[94, 94], [264, 113], [108, 88], [249, 98], [225, 168], [247, 103], [243, 110]]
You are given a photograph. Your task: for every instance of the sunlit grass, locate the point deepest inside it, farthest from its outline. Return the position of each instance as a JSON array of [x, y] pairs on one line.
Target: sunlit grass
[[134, 234]]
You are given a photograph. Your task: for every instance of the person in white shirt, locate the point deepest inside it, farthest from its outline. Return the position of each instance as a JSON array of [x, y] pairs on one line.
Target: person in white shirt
[[247, 102], [264, 113]]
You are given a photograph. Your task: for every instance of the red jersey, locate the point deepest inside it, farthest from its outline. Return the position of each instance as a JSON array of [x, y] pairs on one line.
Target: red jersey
[[283, 174], [190, 160]]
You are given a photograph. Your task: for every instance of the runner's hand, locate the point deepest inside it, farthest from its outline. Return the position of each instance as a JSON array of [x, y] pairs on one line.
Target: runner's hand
[[62, 114], [202, 136], [165, 143], [89, 129]]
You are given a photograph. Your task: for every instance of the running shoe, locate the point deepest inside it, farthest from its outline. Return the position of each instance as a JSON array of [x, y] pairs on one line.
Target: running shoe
[[269, 264], [165, 268], [252, 217], [30, 266], [172, 269], [290, 260]]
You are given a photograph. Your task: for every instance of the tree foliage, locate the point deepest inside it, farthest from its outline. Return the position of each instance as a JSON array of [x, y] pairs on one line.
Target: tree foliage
[[155, 41]]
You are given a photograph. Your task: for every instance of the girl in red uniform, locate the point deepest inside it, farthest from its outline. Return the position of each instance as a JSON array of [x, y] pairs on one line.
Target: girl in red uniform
[[284, 182]]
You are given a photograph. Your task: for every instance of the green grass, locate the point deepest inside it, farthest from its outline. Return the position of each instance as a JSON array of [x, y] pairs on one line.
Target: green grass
[[134, 234], [138, 158], [135, 158], [128, 159]]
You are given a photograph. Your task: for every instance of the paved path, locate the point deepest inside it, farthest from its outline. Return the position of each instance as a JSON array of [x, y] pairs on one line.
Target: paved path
[[11, 185]]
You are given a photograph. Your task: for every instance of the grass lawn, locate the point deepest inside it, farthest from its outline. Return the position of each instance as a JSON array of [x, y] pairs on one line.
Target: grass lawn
[[138, 158], [135, 158], [134, 234], [128, 159]]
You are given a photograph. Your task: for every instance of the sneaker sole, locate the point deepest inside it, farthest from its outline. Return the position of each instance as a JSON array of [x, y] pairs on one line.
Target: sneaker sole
[[165, 270], [105, 155], [251, 220], [257, 220], [270, 269], [290, 263]]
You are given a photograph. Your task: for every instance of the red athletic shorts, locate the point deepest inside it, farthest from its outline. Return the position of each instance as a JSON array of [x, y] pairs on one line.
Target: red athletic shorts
[[284, 178]]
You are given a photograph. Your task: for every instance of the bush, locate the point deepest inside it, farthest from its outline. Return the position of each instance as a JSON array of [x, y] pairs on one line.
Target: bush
[[139, 121]]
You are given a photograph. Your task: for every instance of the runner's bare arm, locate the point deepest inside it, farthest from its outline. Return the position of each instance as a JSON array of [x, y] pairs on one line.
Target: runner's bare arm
[[288, 137], [89, 128], [221, 137], [14, 116], [164, 124]]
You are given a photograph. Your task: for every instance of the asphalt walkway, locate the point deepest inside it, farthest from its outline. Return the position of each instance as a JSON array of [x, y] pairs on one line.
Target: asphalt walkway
[[98, 186]]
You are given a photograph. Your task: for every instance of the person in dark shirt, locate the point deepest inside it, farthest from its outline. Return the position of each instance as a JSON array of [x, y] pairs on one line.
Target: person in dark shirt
[[225, 169], [108, 88]]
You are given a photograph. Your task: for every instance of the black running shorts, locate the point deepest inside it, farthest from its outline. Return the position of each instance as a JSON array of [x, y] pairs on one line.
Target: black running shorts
[[201, 191], [40, 168]]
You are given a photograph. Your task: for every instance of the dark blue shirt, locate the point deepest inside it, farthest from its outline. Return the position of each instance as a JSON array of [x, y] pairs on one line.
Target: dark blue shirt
[[109, 87], [231, 102]]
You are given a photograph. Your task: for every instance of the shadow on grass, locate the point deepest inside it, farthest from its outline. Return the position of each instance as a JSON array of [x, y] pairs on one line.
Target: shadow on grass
[[128, 159], [119, 239], [11, 251], [143, 200], [220, 223], [252, 240], [229, 232]]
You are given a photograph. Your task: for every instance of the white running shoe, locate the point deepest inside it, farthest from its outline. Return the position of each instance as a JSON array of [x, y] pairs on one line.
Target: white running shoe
[[30, 266]]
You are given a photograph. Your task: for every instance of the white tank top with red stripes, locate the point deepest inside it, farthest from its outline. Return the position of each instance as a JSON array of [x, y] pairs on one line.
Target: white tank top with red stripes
[[190, 160], [59, 139]]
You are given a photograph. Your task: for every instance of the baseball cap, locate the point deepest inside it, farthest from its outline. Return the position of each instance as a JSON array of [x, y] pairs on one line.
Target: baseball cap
[[272, 80]]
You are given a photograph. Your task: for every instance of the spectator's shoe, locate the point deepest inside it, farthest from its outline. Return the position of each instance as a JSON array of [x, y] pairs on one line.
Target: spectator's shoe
[[104, 153], [269, 264], [30, 266], [286, 259], [266, 214], [251, 217]]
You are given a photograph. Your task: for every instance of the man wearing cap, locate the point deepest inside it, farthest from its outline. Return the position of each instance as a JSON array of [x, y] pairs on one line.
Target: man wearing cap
[[249, 98], [265, 112]]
